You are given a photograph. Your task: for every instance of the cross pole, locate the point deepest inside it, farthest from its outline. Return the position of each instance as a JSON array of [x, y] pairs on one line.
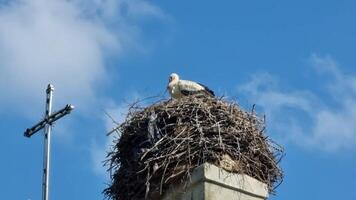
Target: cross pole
[[46, 124]]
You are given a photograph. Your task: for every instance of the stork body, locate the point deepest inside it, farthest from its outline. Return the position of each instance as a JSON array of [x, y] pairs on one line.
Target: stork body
[[178, 88]]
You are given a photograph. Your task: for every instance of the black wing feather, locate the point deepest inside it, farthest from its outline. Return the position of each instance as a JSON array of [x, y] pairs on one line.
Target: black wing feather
[[207, 89], [188, 92]]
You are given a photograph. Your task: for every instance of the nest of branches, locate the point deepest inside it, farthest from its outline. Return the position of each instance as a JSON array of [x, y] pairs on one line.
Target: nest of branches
[[162, 144]]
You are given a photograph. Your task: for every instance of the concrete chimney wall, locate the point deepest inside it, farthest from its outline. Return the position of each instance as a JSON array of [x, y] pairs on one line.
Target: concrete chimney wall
[[209, 182]]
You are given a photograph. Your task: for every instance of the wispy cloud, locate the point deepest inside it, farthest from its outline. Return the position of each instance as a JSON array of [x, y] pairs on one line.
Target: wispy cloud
[[65, 43], [114, 115], [303, 116]]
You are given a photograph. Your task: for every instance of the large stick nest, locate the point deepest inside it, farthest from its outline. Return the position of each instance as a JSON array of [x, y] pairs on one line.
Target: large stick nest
[[161, 144]]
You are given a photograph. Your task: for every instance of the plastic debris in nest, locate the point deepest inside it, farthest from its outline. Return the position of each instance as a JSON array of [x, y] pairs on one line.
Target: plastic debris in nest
[[162, 144]]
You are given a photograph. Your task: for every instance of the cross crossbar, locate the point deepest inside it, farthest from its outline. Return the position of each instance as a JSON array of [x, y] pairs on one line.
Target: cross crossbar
[[49, 120]]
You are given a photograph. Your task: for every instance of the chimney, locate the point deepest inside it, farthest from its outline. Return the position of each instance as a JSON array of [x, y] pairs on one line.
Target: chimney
[[209, 182]]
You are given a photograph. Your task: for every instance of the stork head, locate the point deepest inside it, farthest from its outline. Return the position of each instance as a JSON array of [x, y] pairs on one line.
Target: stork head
[[173, 77]]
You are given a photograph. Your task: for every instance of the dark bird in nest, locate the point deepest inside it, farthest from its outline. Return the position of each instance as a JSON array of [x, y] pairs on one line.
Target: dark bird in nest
[[178, 88]]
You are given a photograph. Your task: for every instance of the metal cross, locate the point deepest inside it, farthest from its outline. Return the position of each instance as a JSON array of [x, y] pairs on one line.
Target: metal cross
[[47, 123]]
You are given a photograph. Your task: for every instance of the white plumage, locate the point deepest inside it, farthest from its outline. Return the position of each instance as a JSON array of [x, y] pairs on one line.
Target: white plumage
[[178, 88]]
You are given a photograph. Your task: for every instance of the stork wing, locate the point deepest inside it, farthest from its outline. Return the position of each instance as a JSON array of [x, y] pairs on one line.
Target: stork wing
[[190, 87]]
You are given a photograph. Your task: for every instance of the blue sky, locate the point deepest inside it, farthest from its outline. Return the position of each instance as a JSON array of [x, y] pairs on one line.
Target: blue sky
[[295, 60]]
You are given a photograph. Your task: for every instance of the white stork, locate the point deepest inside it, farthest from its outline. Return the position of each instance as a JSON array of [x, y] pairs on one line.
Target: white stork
[[179, 88]]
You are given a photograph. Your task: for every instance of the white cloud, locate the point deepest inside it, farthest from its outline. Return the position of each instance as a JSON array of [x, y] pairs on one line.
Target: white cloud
[[304, 117], [65, 43]]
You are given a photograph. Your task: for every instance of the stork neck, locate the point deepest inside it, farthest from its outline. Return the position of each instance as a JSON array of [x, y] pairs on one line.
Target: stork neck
[[173, 82]]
